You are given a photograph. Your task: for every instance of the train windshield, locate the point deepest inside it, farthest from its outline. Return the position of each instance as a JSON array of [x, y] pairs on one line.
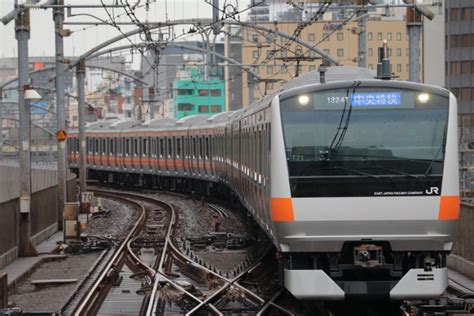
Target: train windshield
[[360, 135]]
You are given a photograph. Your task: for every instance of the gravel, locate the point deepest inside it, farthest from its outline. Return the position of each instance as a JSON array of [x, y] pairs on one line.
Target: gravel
[[117, 223], [51, 299]]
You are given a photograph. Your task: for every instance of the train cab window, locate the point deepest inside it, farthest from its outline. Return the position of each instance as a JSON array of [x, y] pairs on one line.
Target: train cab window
[[178, 147], [135, 147], [145, 147]]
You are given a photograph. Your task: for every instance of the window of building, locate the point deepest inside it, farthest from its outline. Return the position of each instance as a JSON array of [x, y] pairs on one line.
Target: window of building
[[312, 67], [203, 92], [379, 36], [399, 52], [466, 14], [283, 53], [185, 107], [184, 91], [399, 68], [408, 52], [269, 85], [269, 70], [371, 66], [399, 36], [455, 14], [215, 108], [325, 36], [256, 69], [255, 38], [255, 54], [340, 36], [203, 109], [465, 67], [389, 36], [283, 69], [216, 92], [389, 52], [327, 51], [370, 52], [312, 54], [298, 51], [311, 37], [340, 52], [370, 36], [466, 40]]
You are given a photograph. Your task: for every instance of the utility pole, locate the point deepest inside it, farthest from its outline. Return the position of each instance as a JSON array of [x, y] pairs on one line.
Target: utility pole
[[362, 33], [58, 16], [1, 126], [81, 109], [414, 24], [22, 35], [227, 48], [1, 133]]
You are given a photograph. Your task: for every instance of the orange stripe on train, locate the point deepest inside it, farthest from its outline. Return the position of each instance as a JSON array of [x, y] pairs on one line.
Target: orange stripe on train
[[449, 207], [282, 210]]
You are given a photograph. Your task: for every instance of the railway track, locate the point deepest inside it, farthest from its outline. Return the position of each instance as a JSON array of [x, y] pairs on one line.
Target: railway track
[[157, 274], [110, 273]]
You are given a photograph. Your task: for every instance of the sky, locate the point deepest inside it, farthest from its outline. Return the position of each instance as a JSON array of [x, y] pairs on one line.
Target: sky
[[83, 38]]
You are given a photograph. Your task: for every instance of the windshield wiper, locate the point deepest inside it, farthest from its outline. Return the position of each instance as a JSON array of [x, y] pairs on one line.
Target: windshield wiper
[[358, 172], [341, 130], [396, 171]]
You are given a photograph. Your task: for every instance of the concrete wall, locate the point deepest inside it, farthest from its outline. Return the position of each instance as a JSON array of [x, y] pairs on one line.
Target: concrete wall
[[43, 208], [462, 258]]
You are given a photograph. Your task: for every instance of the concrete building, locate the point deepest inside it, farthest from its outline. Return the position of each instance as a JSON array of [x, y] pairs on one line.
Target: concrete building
[[334, 38], [194, 95], [172, 59], [460, 80]]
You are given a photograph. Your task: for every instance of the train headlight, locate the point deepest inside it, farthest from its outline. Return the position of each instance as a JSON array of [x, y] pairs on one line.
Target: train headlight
[[303, 99], [423, 97]]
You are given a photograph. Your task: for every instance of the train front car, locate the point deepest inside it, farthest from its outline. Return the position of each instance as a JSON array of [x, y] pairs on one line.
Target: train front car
[[365, 196]]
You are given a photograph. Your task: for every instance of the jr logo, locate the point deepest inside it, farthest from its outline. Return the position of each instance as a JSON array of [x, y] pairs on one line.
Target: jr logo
[[432, 190]]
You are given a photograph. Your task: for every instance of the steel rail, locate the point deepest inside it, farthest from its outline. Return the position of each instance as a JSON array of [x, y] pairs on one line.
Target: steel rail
[[159, 272], [95, 291]]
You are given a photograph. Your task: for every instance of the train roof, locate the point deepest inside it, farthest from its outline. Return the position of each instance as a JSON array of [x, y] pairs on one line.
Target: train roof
[[337, 73]]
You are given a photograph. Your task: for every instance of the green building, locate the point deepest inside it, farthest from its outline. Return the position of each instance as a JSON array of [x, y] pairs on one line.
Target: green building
[[193, 95]]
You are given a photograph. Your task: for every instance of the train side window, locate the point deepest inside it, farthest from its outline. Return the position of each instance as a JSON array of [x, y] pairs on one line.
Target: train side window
[[194, 149], [127, 147], [145, 146], [161, 148], [178, 147], [170, 147], [135, 147], [96, 141], [208, 148], [200, 148]]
